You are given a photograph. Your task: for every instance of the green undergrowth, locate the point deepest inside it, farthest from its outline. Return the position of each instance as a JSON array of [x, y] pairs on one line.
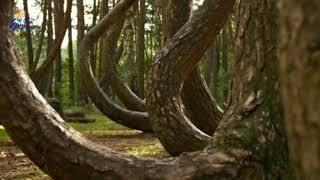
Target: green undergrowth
[[3, 134], [148, 150]]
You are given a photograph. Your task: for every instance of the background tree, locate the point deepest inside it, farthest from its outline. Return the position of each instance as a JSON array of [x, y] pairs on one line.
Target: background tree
[[299, 67]]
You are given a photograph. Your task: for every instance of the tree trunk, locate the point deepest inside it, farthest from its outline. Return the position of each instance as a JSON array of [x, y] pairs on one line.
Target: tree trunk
[[141, 46], [71, 64], [131, 119], [245, 147], [202, 109], [129, 52], [58, 25], [177, 133], [42, 37], [82, 95], [29, 36], [49, 78], [37, 77], [300, 80], [126, 96]]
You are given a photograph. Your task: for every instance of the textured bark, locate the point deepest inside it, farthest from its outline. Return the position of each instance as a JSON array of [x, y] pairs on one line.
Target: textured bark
[[300, 81], [58, 26], [131, 119], [202, 109], [29, 35], [65, 154], [70, 63], [141, 46], [171, 68], [105, 54], [48, 87], [129, 52], [126, 96], [82, 95], [41, 40], [45, 67], [93, 53]]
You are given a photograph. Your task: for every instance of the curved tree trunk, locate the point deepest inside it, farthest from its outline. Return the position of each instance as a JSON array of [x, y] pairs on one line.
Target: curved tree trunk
[[45, 67], [300, 80], [131, 119], [245, 147], [110, 76], [41, 38], [172, 67], [202, 109]]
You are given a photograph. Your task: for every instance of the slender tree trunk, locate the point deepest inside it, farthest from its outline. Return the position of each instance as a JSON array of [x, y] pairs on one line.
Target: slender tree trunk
[[29, 36], [42, 37], [71, 64], [211, 67], [141, 46], [126, 96], [82, 95], [131, 119], [300, 80], [43, 86], [58, 24], [38, 76], [49, 86], [129, 52]]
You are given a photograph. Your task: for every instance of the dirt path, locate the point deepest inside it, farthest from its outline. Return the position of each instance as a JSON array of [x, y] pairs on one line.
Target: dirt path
[[15, 165]]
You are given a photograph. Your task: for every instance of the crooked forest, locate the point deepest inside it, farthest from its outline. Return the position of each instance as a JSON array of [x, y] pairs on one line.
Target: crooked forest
[[160, 89]]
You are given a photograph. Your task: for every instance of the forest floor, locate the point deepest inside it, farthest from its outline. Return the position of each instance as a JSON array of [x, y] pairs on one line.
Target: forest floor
[[15, 165]]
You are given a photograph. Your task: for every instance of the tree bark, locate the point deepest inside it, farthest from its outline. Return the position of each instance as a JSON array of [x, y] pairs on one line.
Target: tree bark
[[202, 109], [126, 96], [299, 67], [245, 147], [71, 63], [29, 36], [131, 119], [165, 107], [42, 37], [45, 67], [58, 27], [141, 46], [49, 75], [82, 95]]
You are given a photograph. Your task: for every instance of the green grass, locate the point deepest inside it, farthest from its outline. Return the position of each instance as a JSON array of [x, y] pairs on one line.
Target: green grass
[[102, 125], [151, 149], [3, 134]]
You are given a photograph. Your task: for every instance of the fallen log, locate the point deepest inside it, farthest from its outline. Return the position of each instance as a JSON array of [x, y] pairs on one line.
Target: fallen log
[[74, 114], [79, 120]]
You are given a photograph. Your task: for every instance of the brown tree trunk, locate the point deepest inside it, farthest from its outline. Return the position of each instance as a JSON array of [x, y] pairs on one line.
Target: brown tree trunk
[[58, 27], [141, 46], [245, 147], [300, 80], [71, 63], [42, 37], [177, 133], [82, 95], [37, 77], [131, 119], [202, 109], [49, 79], [126, 96], [29, 36]]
